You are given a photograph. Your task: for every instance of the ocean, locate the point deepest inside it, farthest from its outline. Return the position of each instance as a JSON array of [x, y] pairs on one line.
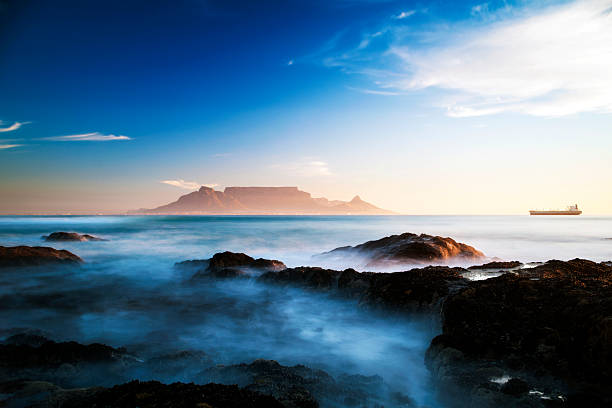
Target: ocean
[[129, 294]]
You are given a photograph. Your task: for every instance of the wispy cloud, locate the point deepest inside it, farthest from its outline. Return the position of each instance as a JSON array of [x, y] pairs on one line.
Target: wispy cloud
[[14, 126], [375, 91], [8, 146], [553, 61], [187, 185], [306, 168], [404, 14], [88, 137]]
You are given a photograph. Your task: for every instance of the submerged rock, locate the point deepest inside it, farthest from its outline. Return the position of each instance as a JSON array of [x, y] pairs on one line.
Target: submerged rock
[[551, 321], [35, 256], [230, 265], [70, 236], [498, 265], [407, 248]]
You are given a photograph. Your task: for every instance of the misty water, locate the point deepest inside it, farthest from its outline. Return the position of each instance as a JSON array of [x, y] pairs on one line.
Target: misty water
[[129, 294]]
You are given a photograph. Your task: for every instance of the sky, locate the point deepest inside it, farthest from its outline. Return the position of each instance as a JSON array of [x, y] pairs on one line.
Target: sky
[[428, 107]]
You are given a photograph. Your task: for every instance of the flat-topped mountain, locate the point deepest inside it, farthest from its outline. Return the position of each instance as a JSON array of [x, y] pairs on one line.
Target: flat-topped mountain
[[261, 200]]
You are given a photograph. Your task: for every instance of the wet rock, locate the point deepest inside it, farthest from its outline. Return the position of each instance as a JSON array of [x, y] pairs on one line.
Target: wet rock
[[70, 236], [231, 265], [409, 248], [498, 265], [303, 387], [420, 289], [143, 394], [68, 364], [515, 386], [52, 354], [20, 256], [552, 321]]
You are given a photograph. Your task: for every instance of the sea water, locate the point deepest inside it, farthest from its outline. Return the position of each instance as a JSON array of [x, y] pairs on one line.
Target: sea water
[[128, 292]]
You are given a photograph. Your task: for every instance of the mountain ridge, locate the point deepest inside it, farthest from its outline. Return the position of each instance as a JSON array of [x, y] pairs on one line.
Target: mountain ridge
[[264, 201]]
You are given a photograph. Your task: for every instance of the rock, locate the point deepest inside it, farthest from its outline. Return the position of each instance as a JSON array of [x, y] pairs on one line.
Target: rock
[[551, 321], [409, 248], [515, 386], [303, 387], [414, 290], [67, 364], [52, 354], [231, 265], [498, 265], [70, 236], [34, 256], [143, 394]]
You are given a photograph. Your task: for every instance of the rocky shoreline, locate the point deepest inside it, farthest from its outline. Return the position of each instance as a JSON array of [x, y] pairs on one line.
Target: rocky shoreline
[[536, 337]]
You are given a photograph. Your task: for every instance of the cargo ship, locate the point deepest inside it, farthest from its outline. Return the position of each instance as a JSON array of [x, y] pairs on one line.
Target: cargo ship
[[571, 210]]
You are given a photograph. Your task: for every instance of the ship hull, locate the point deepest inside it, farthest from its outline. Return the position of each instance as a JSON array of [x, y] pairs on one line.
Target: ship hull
[[555, 212]]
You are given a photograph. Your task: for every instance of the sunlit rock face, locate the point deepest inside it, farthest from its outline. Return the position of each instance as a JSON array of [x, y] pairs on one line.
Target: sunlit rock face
[[70, 236], [407, 248], [544, 323], [230, 265], [34, 256]]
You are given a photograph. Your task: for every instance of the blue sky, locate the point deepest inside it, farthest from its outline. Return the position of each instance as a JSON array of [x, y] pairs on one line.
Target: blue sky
[[419, 107]]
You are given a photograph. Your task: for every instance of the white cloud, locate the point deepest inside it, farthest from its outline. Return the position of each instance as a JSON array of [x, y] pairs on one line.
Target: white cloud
[[88, 137], [551, 61], [187, 185], [14, 126], [290, 62], [404, 14], [556, 63], [306, 168], [8, 146]]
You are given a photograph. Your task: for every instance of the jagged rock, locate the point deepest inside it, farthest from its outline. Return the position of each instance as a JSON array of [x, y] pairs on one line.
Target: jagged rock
[[553, 321], [143, 394], [408, 248], [414, 290], [303, 387], [52, 354], [498, 265], [70, 236], [34, 256]]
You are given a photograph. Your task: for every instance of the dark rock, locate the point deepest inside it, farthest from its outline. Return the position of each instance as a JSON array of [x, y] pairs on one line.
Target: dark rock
[[498, 265], [303, 387], [52, 354], [34, 256], [153, 394], [408, 248], [415, 290], [231, 265], [553, 320], [70, 236], [27, 339], [515, 386]]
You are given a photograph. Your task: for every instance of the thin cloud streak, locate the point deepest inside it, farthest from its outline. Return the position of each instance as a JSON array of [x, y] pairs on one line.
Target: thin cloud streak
[[306, 168], [87, 137], [405, 14], [8, 146], [187, 185], [13, 127]]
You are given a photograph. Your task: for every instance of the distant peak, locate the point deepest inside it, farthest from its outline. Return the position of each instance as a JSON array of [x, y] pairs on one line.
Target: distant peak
[[355, 199], [204, 188]]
